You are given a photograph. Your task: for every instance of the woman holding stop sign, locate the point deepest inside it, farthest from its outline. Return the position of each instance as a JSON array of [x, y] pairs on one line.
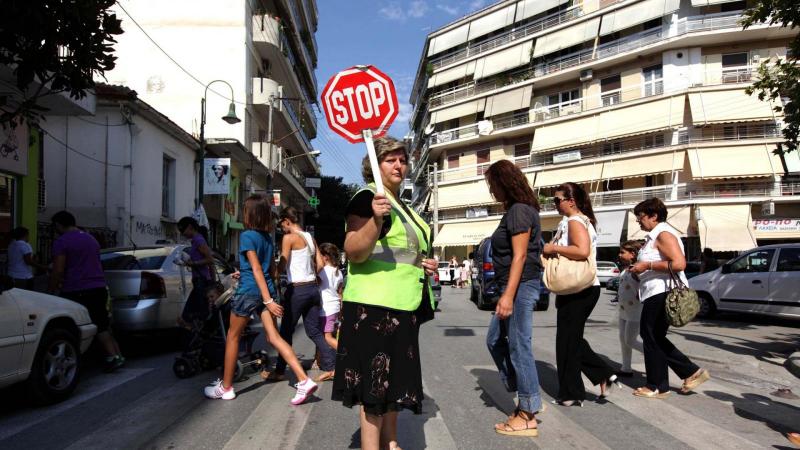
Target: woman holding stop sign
[[386, 298]]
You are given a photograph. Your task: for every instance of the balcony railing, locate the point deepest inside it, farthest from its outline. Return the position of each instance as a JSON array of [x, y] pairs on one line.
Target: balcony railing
[[287, 106], [737, 74], [294, 172]]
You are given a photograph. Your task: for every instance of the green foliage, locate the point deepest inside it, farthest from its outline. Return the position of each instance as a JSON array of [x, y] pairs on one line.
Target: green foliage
[[334, 195], [58, 44], [779, 78]]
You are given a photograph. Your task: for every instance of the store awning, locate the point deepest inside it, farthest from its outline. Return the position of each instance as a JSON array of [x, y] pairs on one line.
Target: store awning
[[726, 227], [635, 14], [464, 194], [644, 165], [552, 176], [679, 217], [566, 37], [530, 8], [508, 101], [743, 161], [449, 39], [503, 60], [456, 73], [609, 227], [491, 22], [729, 106], [465, 233], [454, 112]]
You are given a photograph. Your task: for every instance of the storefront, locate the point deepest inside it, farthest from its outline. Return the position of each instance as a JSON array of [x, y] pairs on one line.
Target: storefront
[[19, 181]]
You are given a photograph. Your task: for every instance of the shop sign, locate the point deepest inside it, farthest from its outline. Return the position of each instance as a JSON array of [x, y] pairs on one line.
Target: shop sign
[[14, 149], [574, 155], [477, 212], [776, 225], [216, 176]]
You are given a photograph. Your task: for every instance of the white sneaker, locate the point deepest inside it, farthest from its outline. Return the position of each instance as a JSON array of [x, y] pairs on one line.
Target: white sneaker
[[215, 390], [304, 391]]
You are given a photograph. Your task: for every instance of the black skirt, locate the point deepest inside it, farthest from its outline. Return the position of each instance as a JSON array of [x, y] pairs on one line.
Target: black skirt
[[377, 362]]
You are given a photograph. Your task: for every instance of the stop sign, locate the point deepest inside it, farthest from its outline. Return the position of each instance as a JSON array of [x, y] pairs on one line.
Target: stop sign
[[357, 99]]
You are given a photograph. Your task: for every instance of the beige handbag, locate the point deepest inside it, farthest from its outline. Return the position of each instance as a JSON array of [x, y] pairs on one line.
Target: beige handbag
[[568, 276]]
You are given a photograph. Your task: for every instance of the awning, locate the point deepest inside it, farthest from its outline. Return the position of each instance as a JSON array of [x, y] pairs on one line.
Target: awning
[[644, 165], [530, 8], [679, 217], [698, 3], [464, 194], [450, 39], [729, 106], [501, 61], [609, 227], [726, 227], [492, 21], [792, 161], [566, 37], [576, 174], [615, 123], [465, 233], [456, 73], [508, 101], [454, 112], [743, 161], [635, 14]]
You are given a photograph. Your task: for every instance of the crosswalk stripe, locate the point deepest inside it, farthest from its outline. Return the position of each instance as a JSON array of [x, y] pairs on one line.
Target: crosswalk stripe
[[435, 434]]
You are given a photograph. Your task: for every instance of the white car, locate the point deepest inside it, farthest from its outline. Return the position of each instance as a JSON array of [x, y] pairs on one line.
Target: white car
[[763, 280], [42, 338], [606, 270], [444, 273]]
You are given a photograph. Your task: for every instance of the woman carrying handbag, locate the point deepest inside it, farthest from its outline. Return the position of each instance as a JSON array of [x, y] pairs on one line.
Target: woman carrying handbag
[[576, 240]]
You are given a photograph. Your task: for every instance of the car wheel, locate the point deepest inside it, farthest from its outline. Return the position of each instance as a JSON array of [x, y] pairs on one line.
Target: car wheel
[[56, 367], [482, 304], [183, 368], [707, 306]]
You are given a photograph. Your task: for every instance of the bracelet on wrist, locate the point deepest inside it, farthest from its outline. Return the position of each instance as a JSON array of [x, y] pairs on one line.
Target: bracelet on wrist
[[269, 301]]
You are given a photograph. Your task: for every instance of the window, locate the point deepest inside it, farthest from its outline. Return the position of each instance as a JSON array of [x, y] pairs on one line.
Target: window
[[483, 158], [733, 6], [654, 140], [521, 150], [789, 260], [758, 261], [167, 186], [610, 90], [564, 102], [611, 148], [655, 23], [452, 161], [652, 80], [735, 68]]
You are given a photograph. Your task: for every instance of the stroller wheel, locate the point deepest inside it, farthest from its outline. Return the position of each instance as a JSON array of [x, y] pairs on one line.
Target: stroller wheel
[[183, 368], [238, 374]]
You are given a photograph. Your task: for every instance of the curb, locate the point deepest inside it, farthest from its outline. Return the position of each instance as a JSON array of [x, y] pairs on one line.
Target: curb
[[793, 363]]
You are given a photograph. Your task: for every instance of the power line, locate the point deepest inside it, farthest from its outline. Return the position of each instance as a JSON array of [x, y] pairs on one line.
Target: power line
[[79, 152]]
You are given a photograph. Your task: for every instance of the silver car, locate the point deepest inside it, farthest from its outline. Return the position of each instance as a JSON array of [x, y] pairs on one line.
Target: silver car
[[148, 289], [606, 270]]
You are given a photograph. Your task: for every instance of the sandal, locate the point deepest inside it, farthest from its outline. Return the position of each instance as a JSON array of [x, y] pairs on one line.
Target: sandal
[[645, 392], [568, 403], [606, 385], [507, 430], [691, 383], [325, 376]]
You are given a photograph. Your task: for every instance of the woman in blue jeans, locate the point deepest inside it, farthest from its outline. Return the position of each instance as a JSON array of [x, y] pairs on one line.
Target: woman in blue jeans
[[515, 255]]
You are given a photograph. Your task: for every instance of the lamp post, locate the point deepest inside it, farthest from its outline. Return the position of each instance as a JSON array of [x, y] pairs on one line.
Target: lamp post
[[229, 118], [311, 153]]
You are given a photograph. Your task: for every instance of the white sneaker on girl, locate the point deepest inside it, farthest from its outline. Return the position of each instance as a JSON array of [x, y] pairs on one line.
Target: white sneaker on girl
[[304, 391], [215, 390]]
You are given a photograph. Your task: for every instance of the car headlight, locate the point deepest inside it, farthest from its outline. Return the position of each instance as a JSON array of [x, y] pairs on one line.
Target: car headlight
[[83, 317]]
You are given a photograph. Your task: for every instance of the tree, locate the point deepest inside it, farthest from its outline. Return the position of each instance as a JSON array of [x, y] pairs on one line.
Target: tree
[[334, 195], [54, 46], [779, 78]]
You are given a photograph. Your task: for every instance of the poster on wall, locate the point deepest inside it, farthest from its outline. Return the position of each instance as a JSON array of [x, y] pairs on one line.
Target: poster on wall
[[216, 176], [14, 149]]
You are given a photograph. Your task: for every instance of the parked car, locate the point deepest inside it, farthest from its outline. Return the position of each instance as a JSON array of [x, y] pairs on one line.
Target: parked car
[[606, 270], [42, 338], [613, 284], [444, 273], [148, 289], [485, 292], [764, 280]]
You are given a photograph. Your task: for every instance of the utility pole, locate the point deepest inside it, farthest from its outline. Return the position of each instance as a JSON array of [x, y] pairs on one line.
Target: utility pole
[[269, 143], [435, 202]]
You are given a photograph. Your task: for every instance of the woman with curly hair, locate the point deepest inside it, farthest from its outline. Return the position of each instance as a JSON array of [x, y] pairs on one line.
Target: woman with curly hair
[[518, 271]]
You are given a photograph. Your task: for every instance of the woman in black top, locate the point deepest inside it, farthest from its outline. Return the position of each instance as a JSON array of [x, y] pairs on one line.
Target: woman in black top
[[518, 271]]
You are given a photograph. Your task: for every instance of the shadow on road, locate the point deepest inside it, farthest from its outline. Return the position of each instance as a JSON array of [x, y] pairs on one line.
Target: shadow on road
[[776, 415], [411, 427]]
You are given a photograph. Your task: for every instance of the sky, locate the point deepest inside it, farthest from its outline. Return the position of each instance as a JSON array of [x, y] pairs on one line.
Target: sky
[[388, 34]]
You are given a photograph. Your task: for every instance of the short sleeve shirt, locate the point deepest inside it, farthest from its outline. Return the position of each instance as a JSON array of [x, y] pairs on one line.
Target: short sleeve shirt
[[261, 243], [17, 267], [82, 269], [520, 218], [361, 205], [331, 278], [194, 252]]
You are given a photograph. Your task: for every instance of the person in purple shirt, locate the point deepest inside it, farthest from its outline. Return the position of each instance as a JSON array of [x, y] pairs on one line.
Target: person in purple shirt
[[200, 261], [78, 275]]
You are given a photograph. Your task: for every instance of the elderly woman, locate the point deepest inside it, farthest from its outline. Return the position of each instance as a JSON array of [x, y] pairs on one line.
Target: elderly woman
[[662, 252], [386, 298]]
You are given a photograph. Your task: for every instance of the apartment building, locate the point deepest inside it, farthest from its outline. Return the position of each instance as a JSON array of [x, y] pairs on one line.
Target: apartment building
[[266, 51], [630, 98]]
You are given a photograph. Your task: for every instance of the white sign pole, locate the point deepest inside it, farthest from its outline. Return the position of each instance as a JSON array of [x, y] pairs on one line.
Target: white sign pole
[[373, 160]]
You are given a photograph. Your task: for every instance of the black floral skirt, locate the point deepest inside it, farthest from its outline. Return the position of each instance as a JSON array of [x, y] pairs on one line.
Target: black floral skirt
[[377, 363]]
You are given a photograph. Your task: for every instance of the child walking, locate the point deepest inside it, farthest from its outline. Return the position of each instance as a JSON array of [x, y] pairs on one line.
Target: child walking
[[630, 308], [255, 295], [330, 290]]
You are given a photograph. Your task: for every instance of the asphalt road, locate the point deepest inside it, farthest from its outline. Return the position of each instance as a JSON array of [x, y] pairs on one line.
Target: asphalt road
[[146, 406]]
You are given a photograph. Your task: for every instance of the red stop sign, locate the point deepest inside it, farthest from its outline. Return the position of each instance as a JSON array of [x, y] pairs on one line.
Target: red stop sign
[[359, 98]]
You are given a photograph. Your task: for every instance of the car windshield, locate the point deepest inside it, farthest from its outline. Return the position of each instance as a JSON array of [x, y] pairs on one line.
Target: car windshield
[[606, 265], [443, 265], [139, 259]]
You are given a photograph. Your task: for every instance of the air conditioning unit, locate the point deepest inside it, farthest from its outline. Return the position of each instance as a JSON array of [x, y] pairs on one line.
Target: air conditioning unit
[[768, 209], [586, 74], [756, 58]]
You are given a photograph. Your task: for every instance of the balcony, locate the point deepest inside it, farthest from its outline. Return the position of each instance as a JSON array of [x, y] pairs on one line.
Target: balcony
[[742, 74], [294, 178], [267, 31]]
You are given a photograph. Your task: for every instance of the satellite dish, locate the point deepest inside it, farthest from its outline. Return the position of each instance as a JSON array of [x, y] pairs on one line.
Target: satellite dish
[[429, 129]]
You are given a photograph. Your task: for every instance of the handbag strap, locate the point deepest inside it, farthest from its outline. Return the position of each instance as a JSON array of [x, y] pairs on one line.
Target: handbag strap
[[676, 279]]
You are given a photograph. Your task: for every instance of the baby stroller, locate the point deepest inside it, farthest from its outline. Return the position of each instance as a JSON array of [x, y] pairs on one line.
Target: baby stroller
[[205, 347]]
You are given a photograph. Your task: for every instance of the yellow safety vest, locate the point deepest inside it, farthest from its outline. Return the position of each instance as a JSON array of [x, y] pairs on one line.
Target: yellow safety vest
[[393, 277]]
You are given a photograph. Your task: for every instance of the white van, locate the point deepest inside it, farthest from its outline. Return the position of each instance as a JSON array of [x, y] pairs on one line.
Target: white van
[[764, 280]]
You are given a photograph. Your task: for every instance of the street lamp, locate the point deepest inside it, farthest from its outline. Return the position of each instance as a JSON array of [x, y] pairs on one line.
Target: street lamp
[[311, 153], [229, 118]]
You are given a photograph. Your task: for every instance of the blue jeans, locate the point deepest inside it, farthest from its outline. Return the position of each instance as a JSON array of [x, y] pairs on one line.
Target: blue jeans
[[509, 343]]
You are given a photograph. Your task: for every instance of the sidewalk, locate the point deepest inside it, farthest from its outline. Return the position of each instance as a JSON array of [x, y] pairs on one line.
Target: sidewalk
[[793, 363]]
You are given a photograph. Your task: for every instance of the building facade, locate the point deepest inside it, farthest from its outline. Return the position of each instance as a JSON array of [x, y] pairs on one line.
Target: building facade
[[266, 51], [632, 99]]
